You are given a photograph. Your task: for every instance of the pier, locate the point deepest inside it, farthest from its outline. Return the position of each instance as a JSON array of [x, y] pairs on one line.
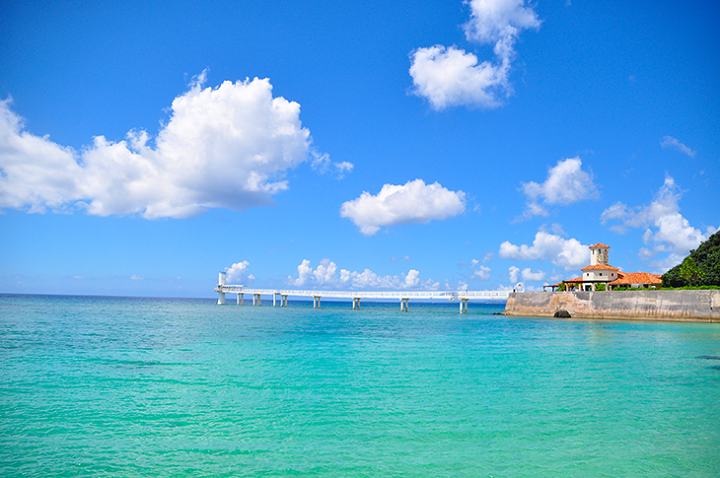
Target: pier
[[279, 297]]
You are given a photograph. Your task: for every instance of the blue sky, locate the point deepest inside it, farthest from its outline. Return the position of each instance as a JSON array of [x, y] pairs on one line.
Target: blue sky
[[364, 145]]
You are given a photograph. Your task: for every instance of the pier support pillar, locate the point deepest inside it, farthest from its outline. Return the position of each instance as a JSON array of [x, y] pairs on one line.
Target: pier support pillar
[[463, 306], [242, 298], [356, 303], [221, 298], [274, 297], [316, 302], [404, 305], [238, 299], [259, 300]]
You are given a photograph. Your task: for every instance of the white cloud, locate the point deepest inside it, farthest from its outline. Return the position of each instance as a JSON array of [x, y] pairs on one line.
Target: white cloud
[[481, 273], [405, 258], [226, 147], [666, 230], [237, 272], [530, 276], [514, 271], [663, 265], [322, 164], [136, 277], [413, 203], [326, 275], [494, 21], [478, 271], [566, 183], [452, 76], [674, 143], [566, 253]]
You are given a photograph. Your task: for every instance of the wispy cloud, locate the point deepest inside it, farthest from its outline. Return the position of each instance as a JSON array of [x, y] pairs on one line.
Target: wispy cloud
[[322, 164], [666, 230], [404, 258], [674, 143]]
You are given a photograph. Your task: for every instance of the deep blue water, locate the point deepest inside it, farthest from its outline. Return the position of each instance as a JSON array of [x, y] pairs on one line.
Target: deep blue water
[[130, 387]]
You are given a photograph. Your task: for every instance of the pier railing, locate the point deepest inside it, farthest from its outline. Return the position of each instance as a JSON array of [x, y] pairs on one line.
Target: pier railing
[[403, 295]]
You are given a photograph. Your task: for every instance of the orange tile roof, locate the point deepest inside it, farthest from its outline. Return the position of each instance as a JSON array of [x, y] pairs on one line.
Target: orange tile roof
[[637, 278], [599, 244], [577, 279], [600, 267]]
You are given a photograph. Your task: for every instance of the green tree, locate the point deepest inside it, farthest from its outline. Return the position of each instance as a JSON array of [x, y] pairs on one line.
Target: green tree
[[706, 259], [690, 271]]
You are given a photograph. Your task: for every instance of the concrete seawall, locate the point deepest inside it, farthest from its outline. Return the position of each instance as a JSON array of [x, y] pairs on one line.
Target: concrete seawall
[[676, 305]]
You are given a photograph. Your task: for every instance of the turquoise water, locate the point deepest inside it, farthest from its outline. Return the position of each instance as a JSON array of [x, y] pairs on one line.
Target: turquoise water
[[148, 387]]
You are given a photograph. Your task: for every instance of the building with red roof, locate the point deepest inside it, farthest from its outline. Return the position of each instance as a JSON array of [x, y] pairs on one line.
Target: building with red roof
[[601, 272]]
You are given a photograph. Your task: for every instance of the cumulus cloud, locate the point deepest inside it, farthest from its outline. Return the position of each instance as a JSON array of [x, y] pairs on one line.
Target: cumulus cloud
[[326, 275], [227, 147], [513, 272], [532, 276], [526, 274], [566, 183], [238, 272], [674, 143], [566, 253], [412, 203], [666, 230], [479, 272], [452, 76]]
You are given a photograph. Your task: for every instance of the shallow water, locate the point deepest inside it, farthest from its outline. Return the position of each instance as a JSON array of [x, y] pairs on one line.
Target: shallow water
[[158, 387]]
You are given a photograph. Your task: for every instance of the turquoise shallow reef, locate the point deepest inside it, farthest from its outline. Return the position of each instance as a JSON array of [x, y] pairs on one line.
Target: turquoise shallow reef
[[161, 387]]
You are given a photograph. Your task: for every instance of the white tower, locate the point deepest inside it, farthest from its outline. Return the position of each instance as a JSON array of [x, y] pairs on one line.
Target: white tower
[[221, 282], [599, 255]]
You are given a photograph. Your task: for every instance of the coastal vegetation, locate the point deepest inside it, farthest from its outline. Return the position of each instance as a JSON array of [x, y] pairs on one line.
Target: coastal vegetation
[[701, 269]]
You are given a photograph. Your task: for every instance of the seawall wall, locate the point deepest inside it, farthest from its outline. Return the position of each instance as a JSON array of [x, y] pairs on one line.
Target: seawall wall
[[676, 305]]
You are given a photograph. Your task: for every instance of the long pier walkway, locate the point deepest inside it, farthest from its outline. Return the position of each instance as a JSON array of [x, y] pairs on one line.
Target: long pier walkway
[[279, 297]]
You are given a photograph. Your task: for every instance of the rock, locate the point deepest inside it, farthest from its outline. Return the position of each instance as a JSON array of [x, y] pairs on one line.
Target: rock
[[562, 314]]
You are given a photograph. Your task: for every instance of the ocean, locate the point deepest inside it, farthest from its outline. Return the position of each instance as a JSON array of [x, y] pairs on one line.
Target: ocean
[[129, 387]]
